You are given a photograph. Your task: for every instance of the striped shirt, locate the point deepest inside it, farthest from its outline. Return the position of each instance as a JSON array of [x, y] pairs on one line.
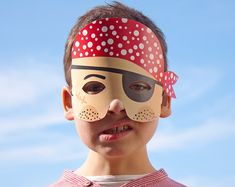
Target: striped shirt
[[156, 179]]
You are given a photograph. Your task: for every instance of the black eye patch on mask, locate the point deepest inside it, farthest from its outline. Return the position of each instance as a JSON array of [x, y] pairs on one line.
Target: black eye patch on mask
[[137, 87]]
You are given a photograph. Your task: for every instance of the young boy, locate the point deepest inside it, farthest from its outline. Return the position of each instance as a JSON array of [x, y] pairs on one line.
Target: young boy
[[118, 86]]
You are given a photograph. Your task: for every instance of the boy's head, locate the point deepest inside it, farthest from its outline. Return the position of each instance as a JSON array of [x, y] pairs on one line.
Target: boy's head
[[116, 92], [116, 12]]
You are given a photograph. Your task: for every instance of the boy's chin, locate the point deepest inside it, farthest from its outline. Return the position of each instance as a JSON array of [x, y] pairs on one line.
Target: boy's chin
[[114, 152]]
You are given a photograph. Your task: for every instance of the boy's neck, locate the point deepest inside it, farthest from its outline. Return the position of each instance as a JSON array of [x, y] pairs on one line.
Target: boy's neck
[[134, 164]]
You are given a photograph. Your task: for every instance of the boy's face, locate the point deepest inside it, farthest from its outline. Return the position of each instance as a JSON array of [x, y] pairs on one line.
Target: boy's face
[[115, 134]]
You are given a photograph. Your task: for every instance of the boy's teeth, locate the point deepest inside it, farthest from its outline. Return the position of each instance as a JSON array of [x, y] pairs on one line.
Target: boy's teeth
[[117, 130], [125, 127]]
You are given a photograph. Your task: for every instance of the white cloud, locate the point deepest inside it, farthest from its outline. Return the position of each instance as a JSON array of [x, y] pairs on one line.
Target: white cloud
[[64, 149], [195, 82], [210, 131], [26, 85], [25, 80], [34, 122]]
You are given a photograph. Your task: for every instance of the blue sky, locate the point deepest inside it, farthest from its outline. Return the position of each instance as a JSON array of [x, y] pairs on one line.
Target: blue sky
[[195, 145]]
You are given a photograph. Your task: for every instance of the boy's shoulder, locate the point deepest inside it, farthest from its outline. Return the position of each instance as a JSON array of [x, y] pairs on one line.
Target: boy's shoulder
[[156, 179]]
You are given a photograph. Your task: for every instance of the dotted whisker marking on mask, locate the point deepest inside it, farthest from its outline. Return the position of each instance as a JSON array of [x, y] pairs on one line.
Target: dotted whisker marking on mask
[[89, 113], [144, 114]]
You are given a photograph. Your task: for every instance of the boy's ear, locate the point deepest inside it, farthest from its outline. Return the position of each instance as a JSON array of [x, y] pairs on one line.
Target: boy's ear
[[67, 103], [166, 106]]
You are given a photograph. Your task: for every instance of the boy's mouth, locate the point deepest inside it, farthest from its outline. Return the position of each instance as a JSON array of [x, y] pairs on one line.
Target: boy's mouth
[[117, 130]]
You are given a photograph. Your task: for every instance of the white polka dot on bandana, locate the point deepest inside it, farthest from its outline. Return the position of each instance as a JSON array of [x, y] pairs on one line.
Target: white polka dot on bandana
[[90, 44], [123, 52], [124, 20], [110, 41], [136, 33], [132, 58], [149, 30], [84, 32], [98, 47], [104, 29], [124, 38], [111, 27], [151, 56], [120, 45], [103, 43], [114, 33], [141, 46], [77, 43]]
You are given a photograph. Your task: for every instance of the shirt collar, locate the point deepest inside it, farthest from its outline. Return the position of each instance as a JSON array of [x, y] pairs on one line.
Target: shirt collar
[[75, 179]]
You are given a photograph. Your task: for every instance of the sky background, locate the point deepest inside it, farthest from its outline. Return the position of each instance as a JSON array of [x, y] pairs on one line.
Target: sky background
[[195, 145]]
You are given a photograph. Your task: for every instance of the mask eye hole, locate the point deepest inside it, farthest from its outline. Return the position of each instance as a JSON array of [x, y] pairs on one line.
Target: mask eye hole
[[139, 86], [93, 87]]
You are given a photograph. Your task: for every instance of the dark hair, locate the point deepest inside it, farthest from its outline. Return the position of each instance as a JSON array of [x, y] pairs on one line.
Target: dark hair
[[116, 9]]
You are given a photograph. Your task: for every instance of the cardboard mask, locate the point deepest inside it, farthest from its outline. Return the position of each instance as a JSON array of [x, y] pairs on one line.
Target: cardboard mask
[[118, 58]]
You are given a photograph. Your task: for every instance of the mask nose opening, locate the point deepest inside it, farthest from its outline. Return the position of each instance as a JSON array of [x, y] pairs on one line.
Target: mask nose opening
[[116, 106]]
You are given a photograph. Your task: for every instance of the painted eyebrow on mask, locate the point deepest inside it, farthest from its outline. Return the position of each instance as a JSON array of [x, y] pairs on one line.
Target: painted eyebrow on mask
[[94, 75], [113, 70]]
